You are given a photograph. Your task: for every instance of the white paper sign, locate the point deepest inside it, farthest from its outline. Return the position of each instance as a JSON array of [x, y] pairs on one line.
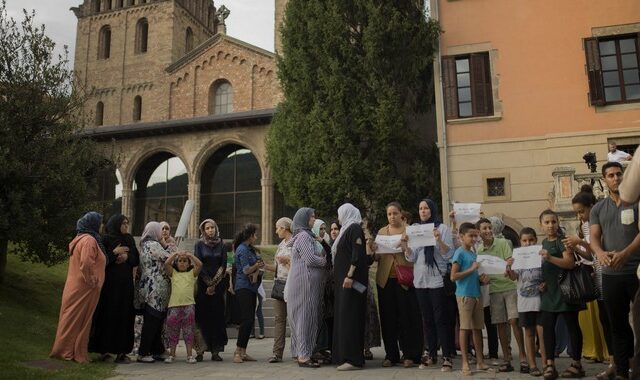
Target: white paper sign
[[491, 264], [466, 212], [388, 244], [421, 235], [527, 257]]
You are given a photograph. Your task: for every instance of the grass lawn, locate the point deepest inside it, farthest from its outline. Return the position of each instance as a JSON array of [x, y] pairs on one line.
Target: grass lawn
[[29, 307]]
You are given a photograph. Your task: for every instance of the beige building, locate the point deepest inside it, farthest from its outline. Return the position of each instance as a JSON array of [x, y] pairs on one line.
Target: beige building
[[183, 107], [525, 88]]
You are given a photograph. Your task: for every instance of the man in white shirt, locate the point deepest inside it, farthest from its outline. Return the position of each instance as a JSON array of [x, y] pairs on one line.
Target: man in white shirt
[[615, 155]]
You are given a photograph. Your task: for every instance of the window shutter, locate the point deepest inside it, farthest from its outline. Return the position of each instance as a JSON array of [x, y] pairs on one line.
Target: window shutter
[[594, 72], [481, 93], [450, 89]]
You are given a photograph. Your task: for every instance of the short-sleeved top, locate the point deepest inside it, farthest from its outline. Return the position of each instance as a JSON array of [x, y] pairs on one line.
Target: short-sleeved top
[[529, 281], [551, 299], [617, 156], [499, 248], [182, 288], [245, 257], [619, 226], [470, 285]]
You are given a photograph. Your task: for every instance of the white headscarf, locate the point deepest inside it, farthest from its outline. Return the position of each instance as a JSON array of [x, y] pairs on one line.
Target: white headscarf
[[347, 215]]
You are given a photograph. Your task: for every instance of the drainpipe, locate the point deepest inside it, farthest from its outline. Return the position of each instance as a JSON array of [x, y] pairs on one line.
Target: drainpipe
[[445, 159]]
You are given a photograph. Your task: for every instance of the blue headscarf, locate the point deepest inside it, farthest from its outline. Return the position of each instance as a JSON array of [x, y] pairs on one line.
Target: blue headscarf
[[301, 221], [430, 250], [90, 224]]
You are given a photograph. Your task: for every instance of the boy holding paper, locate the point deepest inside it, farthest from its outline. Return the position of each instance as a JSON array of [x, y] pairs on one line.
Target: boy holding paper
[[464, 272], [529, 289], [504, 299]]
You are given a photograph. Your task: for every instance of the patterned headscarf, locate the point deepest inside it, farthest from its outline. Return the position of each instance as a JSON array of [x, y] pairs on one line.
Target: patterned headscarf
[[301, 221], [497, 225], [348, 214], [90, 224], [210, 241]]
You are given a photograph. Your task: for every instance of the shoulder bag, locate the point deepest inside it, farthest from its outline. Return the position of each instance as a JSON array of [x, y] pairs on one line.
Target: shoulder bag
[[277, 292], [577, 285]]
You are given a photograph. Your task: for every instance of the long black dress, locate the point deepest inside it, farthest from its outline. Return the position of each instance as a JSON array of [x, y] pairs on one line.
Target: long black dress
[[210, 309], [113, 320], [349, 305]]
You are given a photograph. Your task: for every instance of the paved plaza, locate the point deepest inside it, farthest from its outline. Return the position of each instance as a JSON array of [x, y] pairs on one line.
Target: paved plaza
[[261, 350]]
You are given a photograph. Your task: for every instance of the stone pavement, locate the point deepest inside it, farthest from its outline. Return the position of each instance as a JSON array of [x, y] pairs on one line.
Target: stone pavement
[[261, 350]]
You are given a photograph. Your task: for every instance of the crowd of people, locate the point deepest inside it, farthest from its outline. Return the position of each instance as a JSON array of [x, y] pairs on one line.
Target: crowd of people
[[432, 301]]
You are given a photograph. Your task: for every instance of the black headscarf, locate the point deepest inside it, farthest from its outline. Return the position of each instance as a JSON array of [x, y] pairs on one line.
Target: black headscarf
[[114, 224], [90, 224], [429, 251], [115, 237]]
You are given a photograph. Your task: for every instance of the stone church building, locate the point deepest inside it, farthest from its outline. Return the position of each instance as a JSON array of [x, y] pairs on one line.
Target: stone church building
[[183, 108]]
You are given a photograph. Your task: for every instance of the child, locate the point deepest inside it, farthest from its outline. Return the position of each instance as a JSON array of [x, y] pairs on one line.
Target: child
[[552, 304], [529, 286], [183, 268], [465, 273]]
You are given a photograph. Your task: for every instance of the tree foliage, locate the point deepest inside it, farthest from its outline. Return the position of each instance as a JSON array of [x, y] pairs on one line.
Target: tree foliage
[[355, 73], [45, 166]]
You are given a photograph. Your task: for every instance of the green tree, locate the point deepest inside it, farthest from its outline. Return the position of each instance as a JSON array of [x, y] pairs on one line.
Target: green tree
[[355, 73], [45, 165]]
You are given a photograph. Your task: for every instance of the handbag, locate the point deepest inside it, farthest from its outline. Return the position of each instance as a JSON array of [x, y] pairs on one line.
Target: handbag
[[404, 273], [277, 292], [577, 285]]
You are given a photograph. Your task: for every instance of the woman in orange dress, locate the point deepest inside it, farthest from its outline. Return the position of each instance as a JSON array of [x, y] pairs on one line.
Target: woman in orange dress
[[81, 290]]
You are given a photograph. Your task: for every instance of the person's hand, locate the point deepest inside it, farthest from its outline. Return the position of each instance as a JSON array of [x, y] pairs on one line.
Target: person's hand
[[121, 258], [371, 244], [211, 290], [436, 234], [452, 216], [475, 265], [510, 262], [92, 282], [347, 283], [604, 258], [318, 239], [543, 287], [260, 264], [545, 254], [404, 242], [618, 259], [484, 278], [119, 250], [571, 241]]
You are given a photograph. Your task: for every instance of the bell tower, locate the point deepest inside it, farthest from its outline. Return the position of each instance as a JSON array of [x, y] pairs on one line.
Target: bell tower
[[280, 7]]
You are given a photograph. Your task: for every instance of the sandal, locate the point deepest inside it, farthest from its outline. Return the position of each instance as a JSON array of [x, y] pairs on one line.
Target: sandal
[[505, 367], [466, 372], [574, 371], [535, 372], [608, 374], [237, 358], [485, 368], [275, 359], [308, 364], [447, 366], [550, 372], [524, 367]]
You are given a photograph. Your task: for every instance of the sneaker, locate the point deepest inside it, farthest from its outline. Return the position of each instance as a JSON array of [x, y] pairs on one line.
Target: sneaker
[[146, 359], [191, 360], [169, 359]]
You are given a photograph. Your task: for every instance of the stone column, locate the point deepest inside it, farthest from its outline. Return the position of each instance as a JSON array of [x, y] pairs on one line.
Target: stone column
[[267, 210], [194, 195], [564, 189], [127, 201]]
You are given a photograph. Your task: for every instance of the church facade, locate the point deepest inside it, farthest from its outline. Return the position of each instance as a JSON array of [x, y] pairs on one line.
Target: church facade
[[183, 109]]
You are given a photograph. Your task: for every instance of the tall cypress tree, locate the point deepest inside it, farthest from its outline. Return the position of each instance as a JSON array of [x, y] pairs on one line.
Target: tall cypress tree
[[354, 73]]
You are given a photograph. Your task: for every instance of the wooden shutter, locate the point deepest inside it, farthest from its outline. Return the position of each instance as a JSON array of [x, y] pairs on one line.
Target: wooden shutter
[[481, 93], [450, 85], [594, 72]]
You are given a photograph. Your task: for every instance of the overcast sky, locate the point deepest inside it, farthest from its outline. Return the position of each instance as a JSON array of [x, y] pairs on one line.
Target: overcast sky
[[250, 20]]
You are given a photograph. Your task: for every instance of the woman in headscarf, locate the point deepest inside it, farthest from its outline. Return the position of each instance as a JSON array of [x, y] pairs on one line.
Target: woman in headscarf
[[113, 321], [168, 241], [154, 288], [210, 308], [325, 337], [400, 317], [350, 267], [81, 290], [431, 270], [305, 288], [281, 266]]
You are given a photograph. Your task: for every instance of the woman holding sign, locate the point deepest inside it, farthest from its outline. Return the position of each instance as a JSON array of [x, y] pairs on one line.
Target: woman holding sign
[[434, 289], [400, 317]]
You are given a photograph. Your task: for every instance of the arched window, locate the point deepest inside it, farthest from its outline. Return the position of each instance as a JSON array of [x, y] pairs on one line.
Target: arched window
[[137, 108], [188, 40], [104, 42], [95, 6], [142, 35], [99, 114], [220, 98]]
